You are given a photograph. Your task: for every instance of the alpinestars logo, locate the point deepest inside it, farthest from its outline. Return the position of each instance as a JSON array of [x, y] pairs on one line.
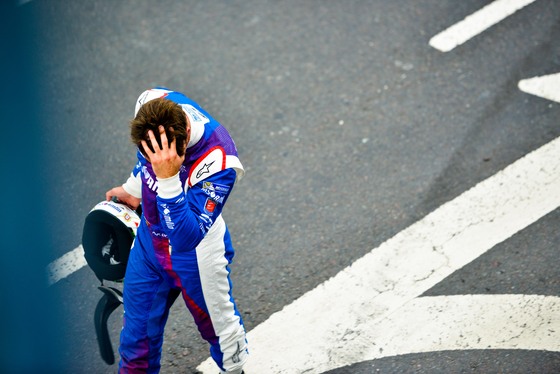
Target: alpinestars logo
[[213, 161], [205, 169]]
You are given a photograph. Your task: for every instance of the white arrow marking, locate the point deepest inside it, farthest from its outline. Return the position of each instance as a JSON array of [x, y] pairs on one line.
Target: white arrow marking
[[304, 336], [476, 23], [431, 324], [546, 86]]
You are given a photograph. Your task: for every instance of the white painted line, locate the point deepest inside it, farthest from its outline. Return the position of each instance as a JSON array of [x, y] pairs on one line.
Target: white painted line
[[66, 265], [476, 23], [431, 324], [546, 86], [304, 336]]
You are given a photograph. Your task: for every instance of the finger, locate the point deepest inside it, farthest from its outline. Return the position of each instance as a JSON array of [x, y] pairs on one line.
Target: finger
[[172, 147], [109, 194], [148, 152], [163, 137], [154, 141]]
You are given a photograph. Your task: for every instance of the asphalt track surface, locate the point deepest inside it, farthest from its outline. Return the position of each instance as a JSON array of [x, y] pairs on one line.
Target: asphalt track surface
[[350, 126]]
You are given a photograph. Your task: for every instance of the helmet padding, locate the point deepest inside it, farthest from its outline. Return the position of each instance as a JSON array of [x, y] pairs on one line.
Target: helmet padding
[[108, 234]]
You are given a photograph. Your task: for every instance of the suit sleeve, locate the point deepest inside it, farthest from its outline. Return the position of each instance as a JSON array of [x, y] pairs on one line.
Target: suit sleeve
[[133, 184], [186, 218]]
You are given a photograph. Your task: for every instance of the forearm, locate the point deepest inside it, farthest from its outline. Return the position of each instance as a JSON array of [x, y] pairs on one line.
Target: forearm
[[187, 217], [181, 224]]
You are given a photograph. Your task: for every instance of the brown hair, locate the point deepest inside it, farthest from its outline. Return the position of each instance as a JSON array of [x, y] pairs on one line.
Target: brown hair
[[159, 112]]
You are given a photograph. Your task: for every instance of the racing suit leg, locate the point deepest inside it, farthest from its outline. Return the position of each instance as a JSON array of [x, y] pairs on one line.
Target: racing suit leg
[[206, 289], [147, 298]]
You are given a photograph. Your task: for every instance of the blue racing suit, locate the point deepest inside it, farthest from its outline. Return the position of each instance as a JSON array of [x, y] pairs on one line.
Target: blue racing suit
[[183, 247]]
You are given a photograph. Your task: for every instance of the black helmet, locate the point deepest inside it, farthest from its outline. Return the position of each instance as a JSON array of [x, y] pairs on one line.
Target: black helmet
[[109, 231]]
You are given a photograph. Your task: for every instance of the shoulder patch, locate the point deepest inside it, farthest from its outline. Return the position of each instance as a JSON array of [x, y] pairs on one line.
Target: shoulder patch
[[208, 164], [194, 114]]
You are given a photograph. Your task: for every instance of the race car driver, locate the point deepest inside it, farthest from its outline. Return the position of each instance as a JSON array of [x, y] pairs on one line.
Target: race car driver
[[187, 167]]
